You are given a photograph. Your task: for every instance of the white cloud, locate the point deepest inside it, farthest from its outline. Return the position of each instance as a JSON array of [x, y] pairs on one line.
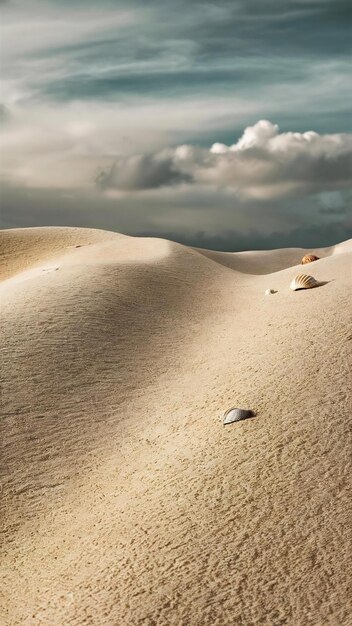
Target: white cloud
[[262, 164], [51, 145], [35, 26], [48, 146]]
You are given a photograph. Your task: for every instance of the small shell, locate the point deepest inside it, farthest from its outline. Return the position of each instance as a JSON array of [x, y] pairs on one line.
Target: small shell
[[267, 292], [303, 281], [236, 415], [309, 258]]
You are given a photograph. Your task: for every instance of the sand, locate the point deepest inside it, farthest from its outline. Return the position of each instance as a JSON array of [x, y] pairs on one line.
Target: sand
[[125, 500]]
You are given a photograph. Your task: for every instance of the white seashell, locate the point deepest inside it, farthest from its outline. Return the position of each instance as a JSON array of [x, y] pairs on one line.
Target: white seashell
[[236, 415], [303, 281], [269, 291]]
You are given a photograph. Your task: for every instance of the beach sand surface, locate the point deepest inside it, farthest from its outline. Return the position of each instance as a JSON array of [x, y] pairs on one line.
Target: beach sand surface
[[125, 500]]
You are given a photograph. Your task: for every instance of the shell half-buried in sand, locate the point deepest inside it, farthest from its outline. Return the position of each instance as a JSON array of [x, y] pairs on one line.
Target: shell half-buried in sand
[[303, 281], [309, 258], [236, 415]]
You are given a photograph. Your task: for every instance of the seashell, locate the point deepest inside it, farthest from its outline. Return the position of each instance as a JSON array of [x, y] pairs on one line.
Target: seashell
[[309, 258], [236, 415], [303, 281], [267, 292]]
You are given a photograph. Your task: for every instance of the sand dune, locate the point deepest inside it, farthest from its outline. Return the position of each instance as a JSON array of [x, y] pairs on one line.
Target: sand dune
[[125, 501]]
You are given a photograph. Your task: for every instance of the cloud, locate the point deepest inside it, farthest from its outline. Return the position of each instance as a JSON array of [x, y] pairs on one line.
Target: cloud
[[297, 58], [333, 203], [107, 88], [4, 113], [262, 164], [162, 73], [207, 219], [148, 171], [315, 236], [333, 210]]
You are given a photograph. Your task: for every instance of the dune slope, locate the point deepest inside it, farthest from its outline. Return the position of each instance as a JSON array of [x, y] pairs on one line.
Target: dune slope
[[125, 500]]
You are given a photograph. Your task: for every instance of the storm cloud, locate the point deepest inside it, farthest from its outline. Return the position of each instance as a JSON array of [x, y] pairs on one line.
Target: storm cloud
[[148, 171]]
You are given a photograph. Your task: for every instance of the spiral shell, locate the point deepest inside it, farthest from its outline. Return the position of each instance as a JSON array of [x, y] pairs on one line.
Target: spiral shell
[[309, 258], [236, 415], [303, 281]]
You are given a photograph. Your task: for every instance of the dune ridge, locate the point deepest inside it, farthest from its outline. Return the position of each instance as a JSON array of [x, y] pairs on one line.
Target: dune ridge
[[125, 500]]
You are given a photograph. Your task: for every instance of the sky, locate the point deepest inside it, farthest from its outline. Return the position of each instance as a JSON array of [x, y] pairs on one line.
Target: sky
[[222, 124]]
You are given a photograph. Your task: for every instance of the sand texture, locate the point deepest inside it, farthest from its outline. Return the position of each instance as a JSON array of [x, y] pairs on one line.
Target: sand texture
[[125, 501]]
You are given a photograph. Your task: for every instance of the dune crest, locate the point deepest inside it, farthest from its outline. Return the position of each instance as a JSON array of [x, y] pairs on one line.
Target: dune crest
[[125, 500]]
